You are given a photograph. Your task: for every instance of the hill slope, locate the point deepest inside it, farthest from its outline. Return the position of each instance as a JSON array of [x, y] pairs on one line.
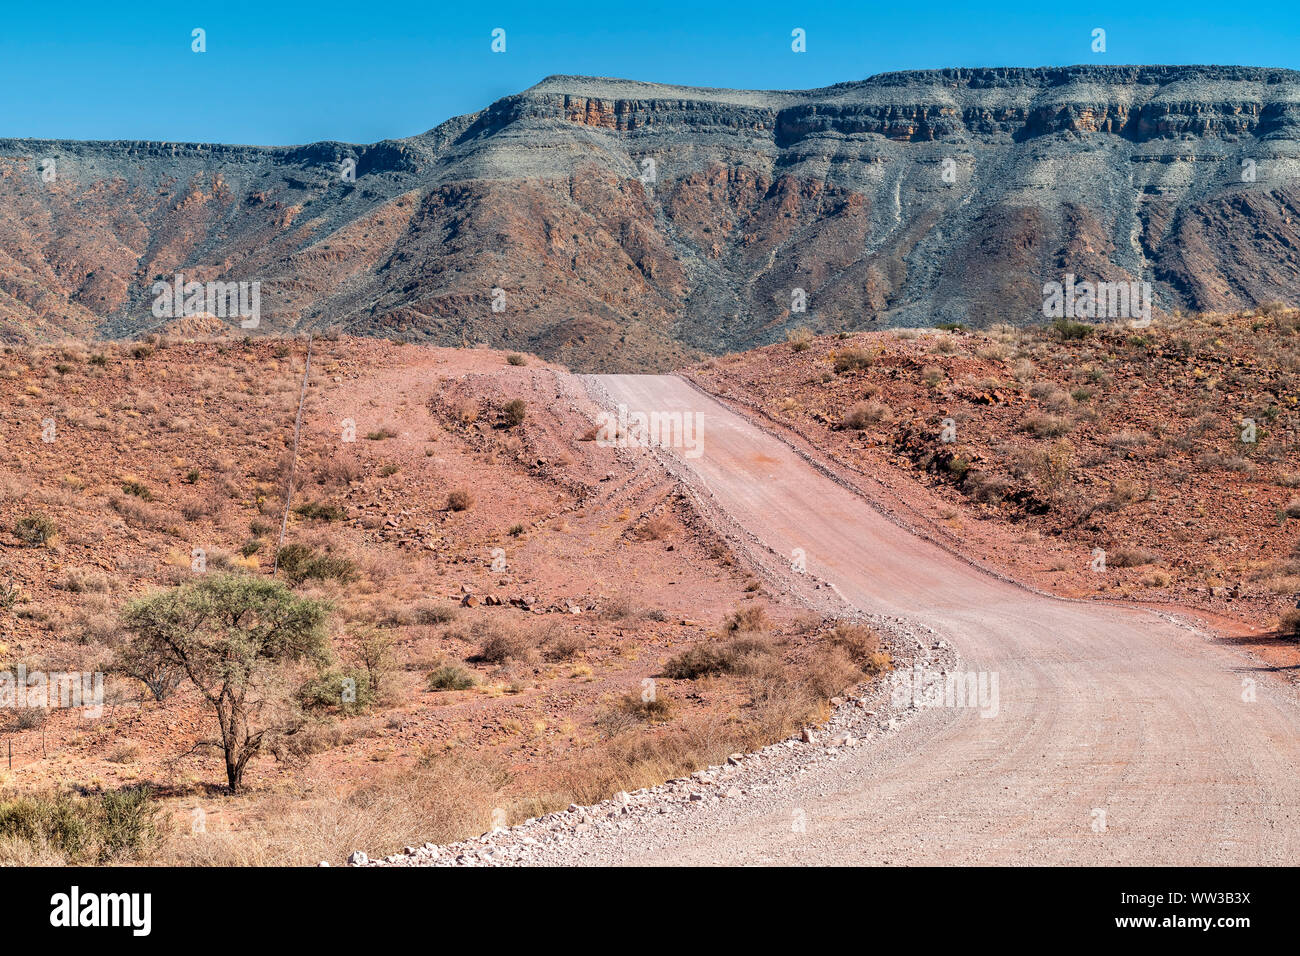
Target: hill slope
[[633, 226]]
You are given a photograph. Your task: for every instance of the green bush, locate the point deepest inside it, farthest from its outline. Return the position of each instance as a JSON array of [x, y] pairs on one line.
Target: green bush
[[329, 688], [1068, 329], [116, 825], [128, 825], [300, 562], [451, 677], [320, 511]]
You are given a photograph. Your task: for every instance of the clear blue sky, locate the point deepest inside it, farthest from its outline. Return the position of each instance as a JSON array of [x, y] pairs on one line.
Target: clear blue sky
[[280, 73]]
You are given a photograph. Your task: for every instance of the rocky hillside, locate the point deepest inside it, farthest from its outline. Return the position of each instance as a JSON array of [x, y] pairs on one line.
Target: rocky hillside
[[632, 226]]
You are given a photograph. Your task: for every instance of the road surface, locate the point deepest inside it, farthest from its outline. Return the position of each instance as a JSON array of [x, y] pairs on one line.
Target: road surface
[[1120, 737]]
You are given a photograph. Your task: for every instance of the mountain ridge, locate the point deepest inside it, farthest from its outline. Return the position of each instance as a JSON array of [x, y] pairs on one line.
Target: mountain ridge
[[633, 225]]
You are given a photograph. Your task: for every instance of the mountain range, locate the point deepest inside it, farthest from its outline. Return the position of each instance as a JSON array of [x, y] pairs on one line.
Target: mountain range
[[617, 225]]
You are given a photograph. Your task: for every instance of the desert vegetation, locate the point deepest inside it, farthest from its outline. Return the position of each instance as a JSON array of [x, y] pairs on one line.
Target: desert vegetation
[[434, 640]]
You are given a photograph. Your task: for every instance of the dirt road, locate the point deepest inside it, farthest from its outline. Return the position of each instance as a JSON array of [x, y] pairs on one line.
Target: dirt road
[[1119, 736]]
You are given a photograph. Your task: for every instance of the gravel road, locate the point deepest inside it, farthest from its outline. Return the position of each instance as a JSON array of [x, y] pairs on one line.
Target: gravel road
[[1116, 736]]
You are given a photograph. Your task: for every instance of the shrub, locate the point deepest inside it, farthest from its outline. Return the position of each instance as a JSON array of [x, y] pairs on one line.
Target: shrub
[[514, 358], [563, 646], [300, 562], [429, 613], [701, 660], [1130, 557], [1043, 425], [381, 434], [1068, 329], [349, 689], [35, 529], [800, 339], [117, 825], [128, 823], [501, 645], [450, 677], [53, 822], [515, 412], [852, 359], [460, 499], [747, 619], [655, 528], [1289, 623], [320, 511], [133, 487], [862, 414]]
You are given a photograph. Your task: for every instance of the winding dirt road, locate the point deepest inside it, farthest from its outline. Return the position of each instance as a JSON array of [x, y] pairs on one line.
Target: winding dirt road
[[1120, 737]]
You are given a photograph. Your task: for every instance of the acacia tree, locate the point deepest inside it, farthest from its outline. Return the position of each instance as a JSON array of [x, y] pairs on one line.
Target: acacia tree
[[234, 636]]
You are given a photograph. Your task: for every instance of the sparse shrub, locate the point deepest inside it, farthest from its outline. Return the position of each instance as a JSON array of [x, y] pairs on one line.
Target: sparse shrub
[[429, 613], [128, 825], [1289, 623], [747, 619], [741, 655], [852, 359], [136, 488], [1068, 329], [983, 486], [655, 528], [800, 339], [460, 499], [36, 529], [863, 414], [450, 677], [1052, 466], [515, 530], [348, 689], [514, 358], [501, 645], [514, 413], [1130, 557], [381, 434], [320, 511], [564, 646], [1043, 425], [300, 562]]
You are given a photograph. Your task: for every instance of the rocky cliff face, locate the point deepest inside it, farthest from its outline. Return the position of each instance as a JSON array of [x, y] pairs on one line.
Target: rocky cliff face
[[621, 225]]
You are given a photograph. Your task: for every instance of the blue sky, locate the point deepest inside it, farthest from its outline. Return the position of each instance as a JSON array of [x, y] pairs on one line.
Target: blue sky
[[298, 72]]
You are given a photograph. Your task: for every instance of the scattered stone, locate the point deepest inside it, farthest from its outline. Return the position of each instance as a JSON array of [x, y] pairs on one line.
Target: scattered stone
[[357, 858]]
